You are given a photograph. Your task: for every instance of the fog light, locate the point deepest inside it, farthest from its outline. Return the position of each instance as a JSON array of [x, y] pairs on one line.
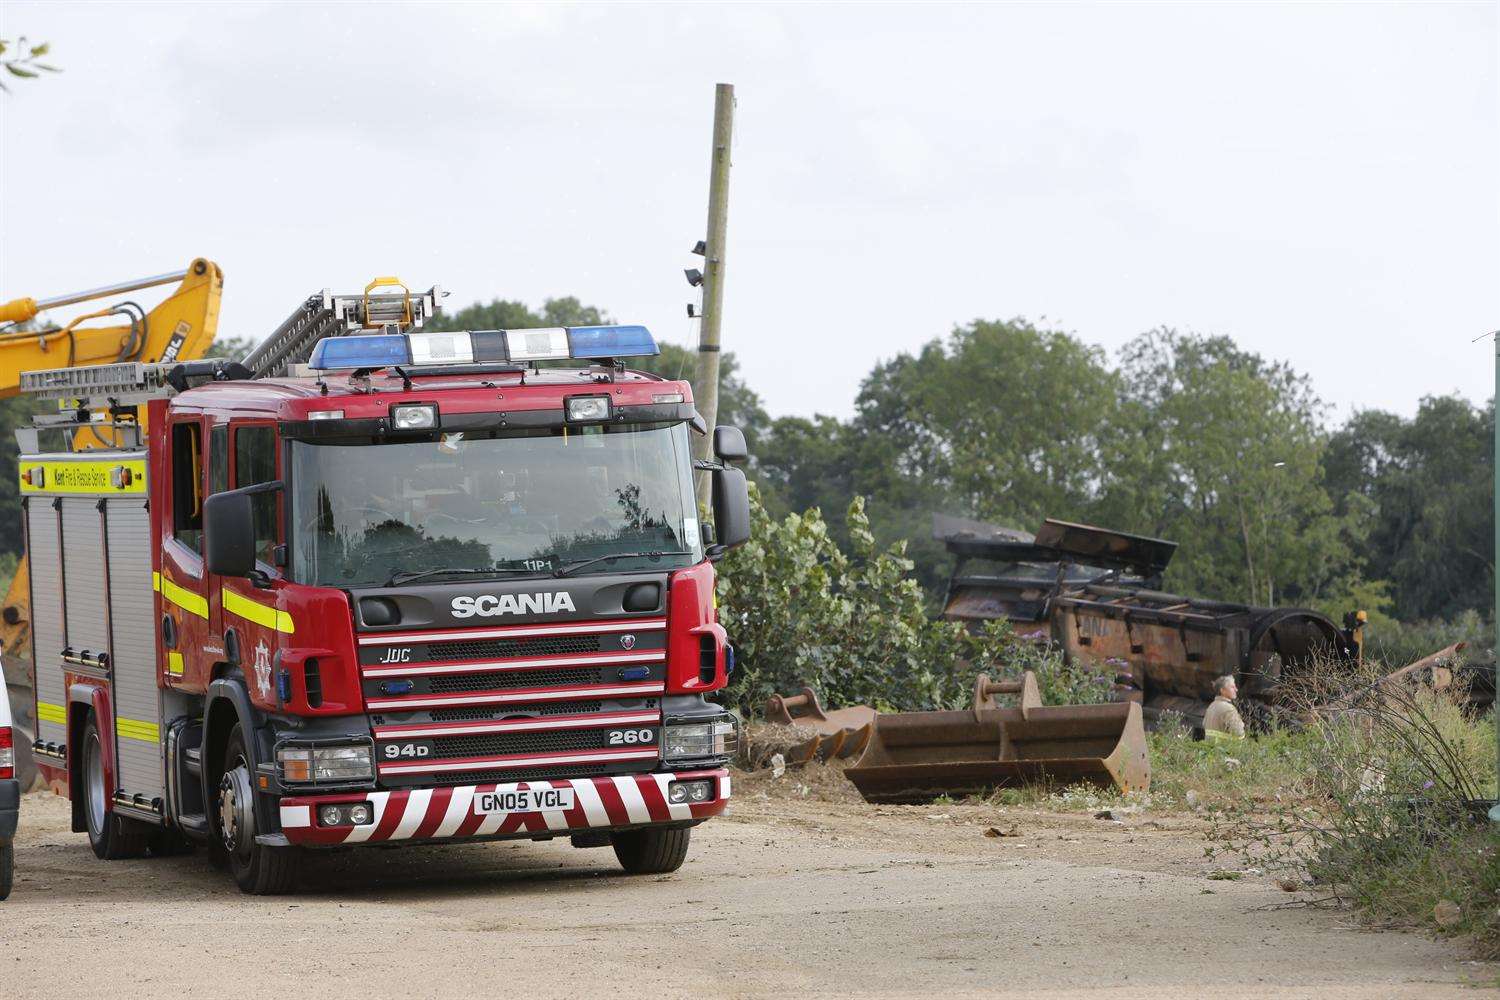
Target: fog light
[[357, 814], [414, 418], [680, 792], [586, 408]]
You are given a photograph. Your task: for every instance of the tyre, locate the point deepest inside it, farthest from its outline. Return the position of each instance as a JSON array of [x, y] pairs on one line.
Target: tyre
[[258, 869], [7, 869], [110, 835], [653, 851]]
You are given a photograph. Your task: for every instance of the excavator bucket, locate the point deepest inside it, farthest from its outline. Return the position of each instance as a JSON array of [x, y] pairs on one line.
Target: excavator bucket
[[917, 756], [841, 733]]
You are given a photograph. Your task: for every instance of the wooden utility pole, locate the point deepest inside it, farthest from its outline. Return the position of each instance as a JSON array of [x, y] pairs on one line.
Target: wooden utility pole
[[706, 385]]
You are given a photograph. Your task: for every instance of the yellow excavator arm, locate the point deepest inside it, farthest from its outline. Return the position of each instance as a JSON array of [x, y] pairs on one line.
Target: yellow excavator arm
[[180, 328]]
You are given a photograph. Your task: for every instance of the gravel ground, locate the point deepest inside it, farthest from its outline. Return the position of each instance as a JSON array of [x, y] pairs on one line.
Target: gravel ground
[[803, 890]]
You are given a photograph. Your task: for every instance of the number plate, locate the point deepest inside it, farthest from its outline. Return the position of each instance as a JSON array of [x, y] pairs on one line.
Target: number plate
[[514, 800]]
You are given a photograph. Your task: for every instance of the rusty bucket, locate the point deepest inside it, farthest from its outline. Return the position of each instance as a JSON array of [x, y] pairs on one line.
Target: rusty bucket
[[917, 756], [843, 732]]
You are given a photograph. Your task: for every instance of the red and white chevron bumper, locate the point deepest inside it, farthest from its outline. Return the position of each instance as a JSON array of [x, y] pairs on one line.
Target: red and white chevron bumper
[[448, 813]]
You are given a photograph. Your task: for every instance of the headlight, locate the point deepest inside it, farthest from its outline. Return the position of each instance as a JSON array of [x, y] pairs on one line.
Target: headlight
[[326, 764], [714, 738], [414, 418], [582, 409]]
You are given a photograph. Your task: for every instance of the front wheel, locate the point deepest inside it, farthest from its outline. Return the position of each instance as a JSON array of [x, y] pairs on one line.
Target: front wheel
[[652, 851], [258, 869]]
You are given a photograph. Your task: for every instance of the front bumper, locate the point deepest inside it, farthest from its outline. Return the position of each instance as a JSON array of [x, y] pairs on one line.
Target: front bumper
[[10, 808], [426, 814]]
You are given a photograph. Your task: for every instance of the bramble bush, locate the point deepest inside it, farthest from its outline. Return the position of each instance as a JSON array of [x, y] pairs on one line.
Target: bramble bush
[[1386, 812], [854, 626]]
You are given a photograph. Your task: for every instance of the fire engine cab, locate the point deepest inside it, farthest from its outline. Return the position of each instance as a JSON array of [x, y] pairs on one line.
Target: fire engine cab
[[379, 585]]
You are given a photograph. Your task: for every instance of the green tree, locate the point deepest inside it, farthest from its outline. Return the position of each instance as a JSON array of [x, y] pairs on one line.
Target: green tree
[[22, 59], [1002, 420], [508, 314], [15, 412], [738, 403], [851, 622], [233, 348], [1430, 482], [1221, 451]]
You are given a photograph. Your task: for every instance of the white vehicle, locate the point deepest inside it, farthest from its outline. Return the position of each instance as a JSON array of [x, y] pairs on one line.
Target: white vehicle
[[10, 794]]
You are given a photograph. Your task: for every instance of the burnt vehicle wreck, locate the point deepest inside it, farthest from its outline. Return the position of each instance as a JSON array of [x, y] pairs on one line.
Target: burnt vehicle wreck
[[1096, 593]]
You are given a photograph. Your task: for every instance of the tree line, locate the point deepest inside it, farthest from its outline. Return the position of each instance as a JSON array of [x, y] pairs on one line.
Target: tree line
[[1177, 435], [1181, 436]]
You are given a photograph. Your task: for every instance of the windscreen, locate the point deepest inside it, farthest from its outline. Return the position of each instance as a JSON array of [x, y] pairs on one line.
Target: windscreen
[[515, 503]]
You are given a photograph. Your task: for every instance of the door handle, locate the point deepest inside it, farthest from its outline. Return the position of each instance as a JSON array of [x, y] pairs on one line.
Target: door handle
[[168, 632]]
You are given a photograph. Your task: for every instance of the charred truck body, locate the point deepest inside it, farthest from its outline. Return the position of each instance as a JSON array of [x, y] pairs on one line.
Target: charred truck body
[[425, 590], [1097, 594]]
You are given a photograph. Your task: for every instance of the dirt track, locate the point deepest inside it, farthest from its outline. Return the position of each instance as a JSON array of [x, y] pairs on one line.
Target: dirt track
[[795, 894]]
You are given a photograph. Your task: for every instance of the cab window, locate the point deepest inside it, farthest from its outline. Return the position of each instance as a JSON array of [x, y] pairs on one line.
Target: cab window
[[255, 462], [187, 485], [218, 459]]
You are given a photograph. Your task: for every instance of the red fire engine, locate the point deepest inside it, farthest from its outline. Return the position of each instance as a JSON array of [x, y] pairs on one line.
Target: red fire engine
[[380, 585]]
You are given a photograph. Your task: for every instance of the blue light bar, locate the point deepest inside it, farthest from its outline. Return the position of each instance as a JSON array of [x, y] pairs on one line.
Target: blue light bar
[[378, 351], [583, 343], [611, 342]]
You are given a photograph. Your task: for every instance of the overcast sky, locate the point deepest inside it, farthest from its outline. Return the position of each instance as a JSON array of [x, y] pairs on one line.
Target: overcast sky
[[1321, 182]]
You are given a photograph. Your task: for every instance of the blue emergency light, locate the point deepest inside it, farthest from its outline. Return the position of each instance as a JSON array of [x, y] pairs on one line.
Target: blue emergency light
[[582, 343]]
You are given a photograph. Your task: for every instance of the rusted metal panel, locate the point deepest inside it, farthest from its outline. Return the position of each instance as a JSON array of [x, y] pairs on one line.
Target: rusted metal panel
[[1056, 542], [1105, 547], [917, 756], [1158, 646], [840, 733]]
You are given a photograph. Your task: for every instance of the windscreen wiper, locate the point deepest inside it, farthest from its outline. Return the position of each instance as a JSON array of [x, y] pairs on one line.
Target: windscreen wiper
[[568, 569], [403, 578]]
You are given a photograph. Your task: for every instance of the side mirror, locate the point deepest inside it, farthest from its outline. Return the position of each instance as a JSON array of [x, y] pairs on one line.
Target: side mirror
[[731, 507], [229, 530], [729, 444]]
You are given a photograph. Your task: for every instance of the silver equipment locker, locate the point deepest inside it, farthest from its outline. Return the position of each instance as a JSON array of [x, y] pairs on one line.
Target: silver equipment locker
[[93, 604]]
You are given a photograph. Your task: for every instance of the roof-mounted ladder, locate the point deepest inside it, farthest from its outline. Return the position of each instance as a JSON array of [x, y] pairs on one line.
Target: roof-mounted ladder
[[329, 315]]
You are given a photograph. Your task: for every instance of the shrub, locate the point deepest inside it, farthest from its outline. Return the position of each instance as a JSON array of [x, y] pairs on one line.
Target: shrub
[[854, 627], [1387, 817]]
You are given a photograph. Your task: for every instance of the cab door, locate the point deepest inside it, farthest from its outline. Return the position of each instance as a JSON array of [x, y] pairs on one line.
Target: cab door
[[188, 643], [254, 623]]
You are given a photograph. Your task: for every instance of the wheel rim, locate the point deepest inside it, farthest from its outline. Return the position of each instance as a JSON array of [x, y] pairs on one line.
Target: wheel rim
[[93, 763], [236, 823]]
